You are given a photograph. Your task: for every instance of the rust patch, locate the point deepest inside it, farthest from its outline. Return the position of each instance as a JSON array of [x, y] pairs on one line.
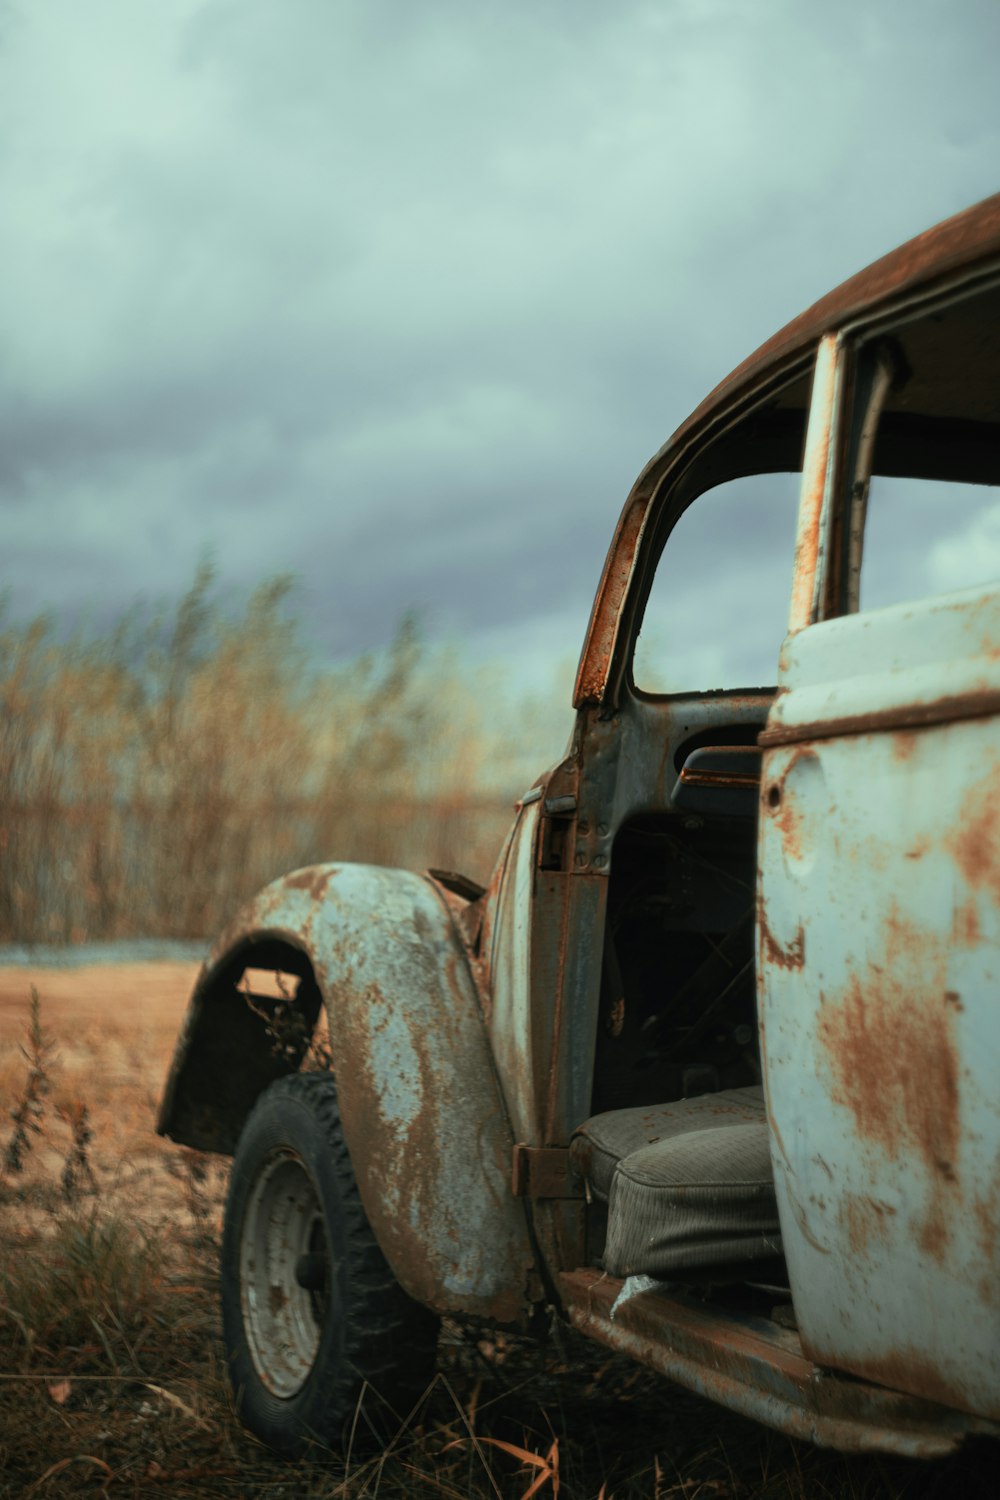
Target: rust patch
[[975, 846], [895, 1062], [934, 1234], [315, 879], [414, 1060], [866, 1221], [903, 744], [966, 927], [791, 956], [602, 634], [789, 820]]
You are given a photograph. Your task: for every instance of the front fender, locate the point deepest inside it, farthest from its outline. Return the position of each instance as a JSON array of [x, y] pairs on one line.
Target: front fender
[[423, 1115]]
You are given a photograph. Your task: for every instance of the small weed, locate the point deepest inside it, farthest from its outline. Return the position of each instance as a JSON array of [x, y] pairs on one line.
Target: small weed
[[29, 1111], [194, 1170], [285, 1027], [77, 1174], [289, 1034]]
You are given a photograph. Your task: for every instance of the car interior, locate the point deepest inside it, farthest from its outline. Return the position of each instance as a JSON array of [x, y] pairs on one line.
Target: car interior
[[676, 1155], [676, 1152]]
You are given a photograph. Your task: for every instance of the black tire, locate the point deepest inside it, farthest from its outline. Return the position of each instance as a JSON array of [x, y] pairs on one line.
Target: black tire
[[311, 1312]]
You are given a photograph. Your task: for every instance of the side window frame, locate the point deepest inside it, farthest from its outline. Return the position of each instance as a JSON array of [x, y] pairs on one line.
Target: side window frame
[[671, 501], [706, 546], [858, 366]]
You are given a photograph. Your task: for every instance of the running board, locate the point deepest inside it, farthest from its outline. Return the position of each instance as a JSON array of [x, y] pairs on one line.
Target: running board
[[757, 1367]]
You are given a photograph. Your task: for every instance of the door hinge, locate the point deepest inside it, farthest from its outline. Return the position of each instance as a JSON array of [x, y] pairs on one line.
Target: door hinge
[[544, 1172]]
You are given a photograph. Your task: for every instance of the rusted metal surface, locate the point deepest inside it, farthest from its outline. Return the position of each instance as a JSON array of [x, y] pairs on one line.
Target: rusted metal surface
[[456, 884], [425, 1122], [878, 966], [757, 1367], [544, 1172], [602, 633], [732, 779], [979, 704], [959, 247], [789, 951], [816, 476]]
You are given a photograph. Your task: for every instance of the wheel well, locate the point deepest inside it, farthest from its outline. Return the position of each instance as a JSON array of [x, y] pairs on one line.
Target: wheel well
[[251, 1020]]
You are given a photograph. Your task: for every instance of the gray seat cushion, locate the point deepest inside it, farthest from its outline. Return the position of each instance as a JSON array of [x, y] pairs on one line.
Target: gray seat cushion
[[688, 1183], [603, 1141]]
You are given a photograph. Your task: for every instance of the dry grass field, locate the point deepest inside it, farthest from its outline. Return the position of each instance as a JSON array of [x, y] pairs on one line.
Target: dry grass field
[[155, 775], [113, 1380]]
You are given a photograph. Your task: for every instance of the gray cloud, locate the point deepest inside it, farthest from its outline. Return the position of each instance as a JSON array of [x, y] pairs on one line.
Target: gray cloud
[[402, 297]]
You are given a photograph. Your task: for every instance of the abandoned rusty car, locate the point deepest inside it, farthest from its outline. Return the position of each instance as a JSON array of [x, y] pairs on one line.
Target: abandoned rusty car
[[711, 1066]]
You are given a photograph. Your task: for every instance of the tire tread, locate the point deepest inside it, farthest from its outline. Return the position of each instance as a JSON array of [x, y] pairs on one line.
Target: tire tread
[[389, 1340]]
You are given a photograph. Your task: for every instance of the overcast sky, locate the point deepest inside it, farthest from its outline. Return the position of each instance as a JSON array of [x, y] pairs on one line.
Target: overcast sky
[[401, 296]]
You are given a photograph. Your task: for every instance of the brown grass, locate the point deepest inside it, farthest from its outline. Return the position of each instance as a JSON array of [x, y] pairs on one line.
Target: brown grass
[[113, 1377]]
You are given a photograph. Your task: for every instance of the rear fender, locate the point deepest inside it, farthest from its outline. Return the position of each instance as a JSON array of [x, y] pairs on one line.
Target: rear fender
[[423, 1115]]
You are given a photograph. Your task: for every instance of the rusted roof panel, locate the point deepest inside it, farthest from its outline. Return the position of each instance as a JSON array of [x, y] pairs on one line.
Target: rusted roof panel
[[967, 240]]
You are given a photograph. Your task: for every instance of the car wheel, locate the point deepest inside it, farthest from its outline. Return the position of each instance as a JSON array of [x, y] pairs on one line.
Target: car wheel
[[311, 1312]]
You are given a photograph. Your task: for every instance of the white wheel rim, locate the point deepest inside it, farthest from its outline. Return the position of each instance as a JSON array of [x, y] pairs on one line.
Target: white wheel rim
[[283, 1320]]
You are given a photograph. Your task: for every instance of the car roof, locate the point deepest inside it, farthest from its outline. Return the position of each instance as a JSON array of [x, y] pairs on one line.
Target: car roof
[[957, 244]]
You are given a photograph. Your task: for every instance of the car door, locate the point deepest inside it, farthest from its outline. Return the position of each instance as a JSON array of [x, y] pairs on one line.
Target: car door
[[878, 944]]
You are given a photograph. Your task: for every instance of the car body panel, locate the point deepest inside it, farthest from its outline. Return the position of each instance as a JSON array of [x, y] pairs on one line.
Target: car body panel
[[424, 1119], [878, 972]]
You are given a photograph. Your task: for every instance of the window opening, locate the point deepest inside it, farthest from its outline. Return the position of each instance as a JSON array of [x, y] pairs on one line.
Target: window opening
[[718, 607]]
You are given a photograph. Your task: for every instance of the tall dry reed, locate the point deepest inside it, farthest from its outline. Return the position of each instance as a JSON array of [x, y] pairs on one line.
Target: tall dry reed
[[155, 773]]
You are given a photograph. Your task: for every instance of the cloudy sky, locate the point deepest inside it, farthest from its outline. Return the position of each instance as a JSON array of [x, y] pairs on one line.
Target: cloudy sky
[[401, 296]]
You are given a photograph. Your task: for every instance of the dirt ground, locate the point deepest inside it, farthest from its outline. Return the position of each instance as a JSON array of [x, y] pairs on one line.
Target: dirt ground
[[146, 999], [113, 1028]]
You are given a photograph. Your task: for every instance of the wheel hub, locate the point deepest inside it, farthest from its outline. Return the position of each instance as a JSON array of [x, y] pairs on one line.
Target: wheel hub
[[284, 1274]]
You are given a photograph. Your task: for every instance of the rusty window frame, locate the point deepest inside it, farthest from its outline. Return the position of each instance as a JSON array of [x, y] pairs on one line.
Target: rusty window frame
[[849, 392], [678, 489], [858, 367], [657, 500]]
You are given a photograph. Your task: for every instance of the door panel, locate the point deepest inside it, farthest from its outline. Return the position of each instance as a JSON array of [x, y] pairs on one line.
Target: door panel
[[878, 968], [510, 1018]]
